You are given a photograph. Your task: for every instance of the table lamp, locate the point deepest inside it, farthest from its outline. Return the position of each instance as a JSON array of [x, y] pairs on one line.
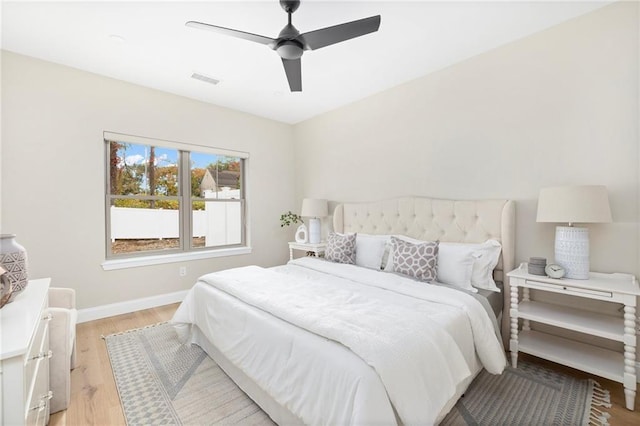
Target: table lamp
[[573, 204], [314, 210]]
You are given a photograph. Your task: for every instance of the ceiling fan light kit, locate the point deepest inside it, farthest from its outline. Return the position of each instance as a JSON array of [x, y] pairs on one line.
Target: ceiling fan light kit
[[290, 49], [290, 44]]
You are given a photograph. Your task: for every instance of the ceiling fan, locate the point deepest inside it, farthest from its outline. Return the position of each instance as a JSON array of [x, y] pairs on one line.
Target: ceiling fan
[[290, 44]]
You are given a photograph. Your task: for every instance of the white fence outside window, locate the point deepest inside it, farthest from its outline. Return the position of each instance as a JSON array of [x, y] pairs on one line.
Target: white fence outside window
[[219, 223]]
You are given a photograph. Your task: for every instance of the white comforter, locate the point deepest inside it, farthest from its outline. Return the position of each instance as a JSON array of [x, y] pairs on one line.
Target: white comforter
[[390, 322]]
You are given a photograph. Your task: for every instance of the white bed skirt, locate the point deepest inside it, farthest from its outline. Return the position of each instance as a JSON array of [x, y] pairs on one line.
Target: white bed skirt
[[277, 412]]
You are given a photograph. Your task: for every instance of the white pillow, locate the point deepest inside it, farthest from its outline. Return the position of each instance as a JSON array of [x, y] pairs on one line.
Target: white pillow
[[370, 250], [482, 275], [456, 264], [485, 258]]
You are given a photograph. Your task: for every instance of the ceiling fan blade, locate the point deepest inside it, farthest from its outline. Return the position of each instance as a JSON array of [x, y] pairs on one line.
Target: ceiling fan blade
[[293, 68], [233, 33], [327, 36]]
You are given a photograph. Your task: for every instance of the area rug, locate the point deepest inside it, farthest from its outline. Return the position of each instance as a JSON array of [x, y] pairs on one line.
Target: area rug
[[162, 382]]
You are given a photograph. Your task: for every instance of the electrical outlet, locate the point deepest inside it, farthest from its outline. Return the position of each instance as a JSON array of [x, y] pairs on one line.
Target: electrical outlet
[[182, 271]]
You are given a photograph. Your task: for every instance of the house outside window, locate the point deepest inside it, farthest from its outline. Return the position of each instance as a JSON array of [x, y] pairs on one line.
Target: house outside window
[[164, 197]]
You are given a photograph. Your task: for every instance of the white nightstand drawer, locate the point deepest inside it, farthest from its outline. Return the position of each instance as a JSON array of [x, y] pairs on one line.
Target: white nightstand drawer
[[559, 288]]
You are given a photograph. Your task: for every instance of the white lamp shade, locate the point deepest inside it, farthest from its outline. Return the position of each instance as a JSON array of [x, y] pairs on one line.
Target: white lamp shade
[[312, 207], [574, 204]]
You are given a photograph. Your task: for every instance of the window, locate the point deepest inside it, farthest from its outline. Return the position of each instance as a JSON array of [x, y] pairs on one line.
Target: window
[[169, 198]]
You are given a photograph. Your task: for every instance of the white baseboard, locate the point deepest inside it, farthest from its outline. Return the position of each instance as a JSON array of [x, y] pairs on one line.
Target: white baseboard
[[104, 311]]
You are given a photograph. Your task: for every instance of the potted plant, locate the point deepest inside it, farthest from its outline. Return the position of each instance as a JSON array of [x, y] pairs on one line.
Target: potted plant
[[290, 218]]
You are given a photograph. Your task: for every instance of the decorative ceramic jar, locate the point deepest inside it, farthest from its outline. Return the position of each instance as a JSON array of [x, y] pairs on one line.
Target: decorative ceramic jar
[[13, 258]]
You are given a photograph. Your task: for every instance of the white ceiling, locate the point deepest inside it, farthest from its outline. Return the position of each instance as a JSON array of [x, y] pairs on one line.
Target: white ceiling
[[159, 51]]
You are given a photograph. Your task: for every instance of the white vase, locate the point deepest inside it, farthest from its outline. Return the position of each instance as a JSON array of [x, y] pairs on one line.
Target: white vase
[[13, 258]]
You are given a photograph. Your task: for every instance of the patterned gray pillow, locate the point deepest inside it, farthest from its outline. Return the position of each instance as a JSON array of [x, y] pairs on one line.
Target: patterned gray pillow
[[341, 248], [415, 260]]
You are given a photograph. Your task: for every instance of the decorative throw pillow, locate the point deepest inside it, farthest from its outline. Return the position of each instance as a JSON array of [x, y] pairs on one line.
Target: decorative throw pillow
[[415, 260], [388, 262], [370, 250], [341, 248]]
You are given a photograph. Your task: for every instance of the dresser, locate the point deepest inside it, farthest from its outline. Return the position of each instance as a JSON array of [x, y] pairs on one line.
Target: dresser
[[24, 357], [579, 353]]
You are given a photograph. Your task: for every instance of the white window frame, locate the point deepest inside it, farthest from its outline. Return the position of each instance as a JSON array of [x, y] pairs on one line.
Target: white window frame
[[185, 252]]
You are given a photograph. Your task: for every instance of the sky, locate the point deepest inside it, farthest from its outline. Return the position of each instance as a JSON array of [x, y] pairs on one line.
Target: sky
[[137, 154]]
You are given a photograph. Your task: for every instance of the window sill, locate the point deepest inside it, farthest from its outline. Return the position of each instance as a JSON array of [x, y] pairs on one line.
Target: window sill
[[134, 262]]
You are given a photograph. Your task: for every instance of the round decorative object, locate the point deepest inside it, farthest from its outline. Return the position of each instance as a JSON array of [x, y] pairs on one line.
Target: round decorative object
[[554, 271], [13, 258], [301, 234]]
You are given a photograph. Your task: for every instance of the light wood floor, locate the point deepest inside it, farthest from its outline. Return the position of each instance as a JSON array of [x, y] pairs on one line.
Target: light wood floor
[[94, 397], [95, 401]]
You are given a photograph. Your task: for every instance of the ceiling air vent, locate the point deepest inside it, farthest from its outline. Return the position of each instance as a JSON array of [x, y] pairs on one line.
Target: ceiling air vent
[[204, 78]]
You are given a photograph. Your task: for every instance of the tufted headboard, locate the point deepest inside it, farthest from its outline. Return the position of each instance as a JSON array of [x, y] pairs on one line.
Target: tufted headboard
[[460, 221]]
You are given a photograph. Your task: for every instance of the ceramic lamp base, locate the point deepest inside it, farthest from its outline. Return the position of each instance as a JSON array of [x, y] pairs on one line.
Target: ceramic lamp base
[[572, 251], [314, 231]]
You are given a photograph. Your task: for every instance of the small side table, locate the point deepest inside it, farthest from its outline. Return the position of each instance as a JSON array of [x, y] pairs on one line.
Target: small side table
[[616, 288], [317, 249]]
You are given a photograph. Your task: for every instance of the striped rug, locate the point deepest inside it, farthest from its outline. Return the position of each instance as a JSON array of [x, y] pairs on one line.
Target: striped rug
[[161, 382]]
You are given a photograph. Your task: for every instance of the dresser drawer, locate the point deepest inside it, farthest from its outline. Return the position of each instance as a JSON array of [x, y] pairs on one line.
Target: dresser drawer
[[36, 344], [38, 352], [37, 417], [37, 403]]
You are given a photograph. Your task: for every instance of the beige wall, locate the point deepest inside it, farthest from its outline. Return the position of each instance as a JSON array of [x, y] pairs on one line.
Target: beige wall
[[53, 174], [559, 107]]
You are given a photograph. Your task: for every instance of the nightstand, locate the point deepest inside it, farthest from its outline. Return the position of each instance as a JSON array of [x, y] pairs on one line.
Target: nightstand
[[613, 288], [316, 249]]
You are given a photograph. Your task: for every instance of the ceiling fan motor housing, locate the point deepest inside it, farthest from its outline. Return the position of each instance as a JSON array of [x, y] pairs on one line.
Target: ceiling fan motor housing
[[290, 6]]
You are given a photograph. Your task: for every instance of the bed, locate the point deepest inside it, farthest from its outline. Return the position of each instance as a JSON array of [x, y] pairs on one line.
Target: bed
[[317, 342]]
